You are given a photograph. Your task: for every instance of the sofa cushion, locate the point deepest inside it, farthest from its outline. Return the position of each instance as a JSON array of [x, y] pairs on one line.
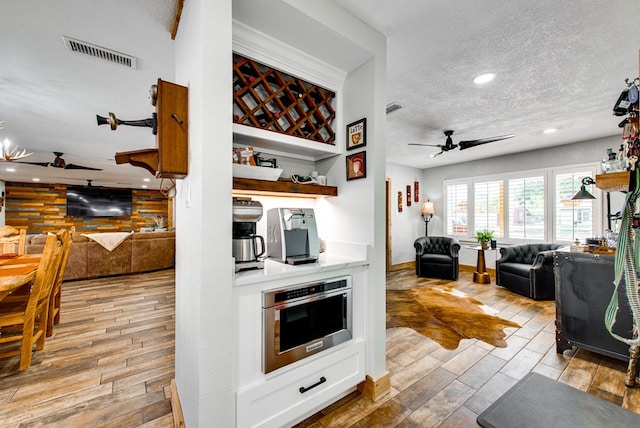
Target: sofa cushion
[[520, 269]]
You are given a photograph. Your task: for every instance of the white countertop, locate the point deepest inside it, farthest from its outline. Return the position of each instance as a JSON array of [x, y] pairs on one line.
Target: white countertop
[[275, 270]]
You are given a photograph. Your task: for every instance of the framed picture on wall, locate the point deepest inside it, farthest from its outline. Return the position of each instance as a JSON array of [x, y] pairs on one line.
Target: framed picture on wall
[[408, 196], [357, 134], [416, 191], [356, 166], [400, 201]]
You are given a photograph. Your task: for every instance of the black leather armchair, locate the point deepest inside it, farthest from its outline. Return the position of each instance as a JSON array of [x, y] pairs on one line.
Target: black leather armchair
[[437, 257], [527, 269]]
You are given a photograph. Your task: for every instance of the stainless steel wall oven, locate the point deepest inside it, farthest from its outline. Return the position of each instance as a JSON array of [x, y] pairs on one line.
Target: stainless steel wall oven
[[304, 319]]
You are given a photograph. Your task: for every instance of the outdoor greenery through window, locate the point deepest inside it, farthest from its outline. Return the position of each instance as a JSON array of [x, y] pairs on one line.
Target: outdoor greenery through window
[[522, 206]]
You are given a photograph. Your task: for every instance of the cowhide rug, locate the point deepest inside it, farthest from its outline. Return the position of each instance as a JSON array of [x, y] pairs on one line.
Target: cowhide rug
[[446, 315]]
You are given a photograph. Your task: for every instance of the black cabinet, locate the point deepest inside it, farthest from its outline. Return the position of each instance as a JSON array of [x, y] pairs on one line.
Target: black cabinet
[[584, 286]]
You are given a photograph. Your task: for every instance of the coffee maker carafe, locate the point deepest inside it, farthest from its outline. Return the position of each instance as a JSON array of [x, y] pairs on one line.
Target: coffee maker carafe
[[248, 248]]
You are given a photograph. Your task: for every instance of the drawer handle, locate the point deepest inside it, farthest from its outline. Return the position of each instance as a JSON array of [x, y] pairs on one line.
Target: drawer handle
[[320, 382]]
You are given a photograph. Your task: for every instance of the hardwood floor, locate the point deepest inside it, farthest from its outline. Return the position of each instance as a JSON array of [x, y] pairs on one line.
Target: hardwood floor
[[109, 363], [433, 387], [111, 360]]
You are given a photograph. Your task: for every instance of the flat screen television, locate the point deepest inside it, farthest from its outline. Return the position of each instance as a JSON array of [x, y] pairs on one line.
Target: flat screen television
[[98, 202]]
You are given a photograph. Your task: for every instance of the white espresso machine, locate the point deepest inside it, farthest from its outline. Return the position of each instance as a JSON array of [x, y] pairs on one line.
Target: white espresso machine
[[292, 235]]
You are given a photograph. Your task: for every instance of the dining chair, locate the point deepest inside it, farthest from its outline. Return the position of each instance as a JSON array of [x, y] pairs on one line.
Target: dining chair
[[53, 316], [23, 318], [22, 242]]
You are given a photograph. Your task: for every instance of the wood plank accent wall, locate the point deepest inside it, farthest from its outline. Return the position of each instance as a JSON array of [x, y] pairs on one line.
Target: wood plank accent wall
[[42, 208]]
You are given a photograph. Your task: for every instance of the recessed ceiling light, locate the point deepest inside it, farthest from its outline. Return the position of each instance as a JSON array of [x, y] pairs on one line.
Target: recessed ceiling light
[[484, 78], [550, 130], [144, 186], [35, 179], [146, 179], [10, 169]]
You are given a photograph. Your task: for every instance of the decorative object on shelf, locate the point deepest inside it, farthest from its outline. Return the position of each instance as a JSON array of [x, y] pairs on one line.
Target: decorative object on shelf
[[270, 99], [416, 191], [583, 193], [427, 211], [400, 201], [357, 134], [408, 196], [484, 236], [170, 158], [357, 166]]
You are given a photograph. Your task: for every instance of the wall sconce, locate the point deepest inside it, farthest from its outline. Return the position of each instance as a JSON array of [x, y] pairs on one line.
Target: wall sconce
[[427, 211], [583, 194]]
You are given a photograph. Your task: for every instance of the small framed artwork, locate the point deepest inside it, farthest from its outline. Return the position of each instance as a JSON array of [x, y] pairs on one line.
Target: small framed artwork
[[408, 196], [416, 191], [356, 166], [400, 201], [357, 134]]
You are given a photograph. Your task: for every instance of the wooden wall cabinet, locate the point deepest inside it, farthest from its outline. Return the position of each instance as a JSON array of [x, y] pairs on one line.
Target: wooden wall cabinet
[[170, 157]]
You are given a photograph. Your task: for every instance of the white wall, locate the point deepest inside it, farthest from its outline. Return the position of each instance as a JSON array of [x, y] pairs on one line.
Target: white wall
[[432, 185], [406, 225], [204, 268]]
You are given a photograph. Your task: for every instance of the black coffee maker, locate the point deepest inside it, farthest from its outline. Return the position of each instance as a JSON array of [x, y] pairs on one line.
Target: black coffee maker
[[248, 248]]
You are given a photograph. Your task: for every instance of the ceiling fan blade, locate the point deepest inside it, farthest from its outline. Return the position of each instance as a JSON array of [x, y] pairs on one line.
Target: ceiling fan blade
[[437, 154], [45, 164], [473, 143], [429, 145], [72, 166]]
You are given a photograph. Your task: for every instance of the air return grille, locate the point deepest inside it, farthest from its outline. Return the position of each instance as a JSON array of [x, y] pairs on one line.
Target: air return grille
[[78, 46], [393, 107]]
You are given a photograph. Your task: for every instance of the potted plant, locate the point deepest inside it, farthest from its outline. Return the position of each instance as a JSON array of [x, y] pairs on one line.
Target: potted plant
[[484, 236]]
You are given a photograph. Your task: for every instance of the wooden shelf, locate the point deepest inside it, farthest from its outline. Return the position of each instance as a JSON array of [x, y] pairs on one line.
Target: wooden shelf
[[248, 186], [613, 182]]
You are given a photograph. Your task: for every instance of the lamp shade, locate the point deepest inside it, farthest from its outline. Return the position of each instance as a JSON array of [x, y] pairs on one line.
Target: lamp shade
[[427, 208], [583, 193]]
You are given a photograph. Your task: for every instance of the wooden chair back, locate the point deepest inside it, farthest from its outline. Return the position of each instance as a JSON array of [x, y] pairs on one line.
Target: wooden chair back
[[56, 289], [22, 242]]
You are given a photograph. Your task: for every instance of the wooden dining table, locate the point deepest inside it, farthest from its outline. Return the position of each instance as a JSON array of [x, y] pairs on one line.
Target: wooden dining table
[[16, 272]]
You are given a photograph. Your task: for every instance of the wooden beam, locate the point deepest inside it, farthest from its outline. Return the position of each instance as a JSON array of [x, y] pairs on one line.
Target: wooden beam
[[176, 18]]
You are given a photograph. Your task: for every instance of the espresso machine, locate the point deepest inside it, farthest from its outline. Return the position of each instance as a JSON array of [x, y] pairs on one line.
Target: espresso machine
[[248, 248], [292, 235]]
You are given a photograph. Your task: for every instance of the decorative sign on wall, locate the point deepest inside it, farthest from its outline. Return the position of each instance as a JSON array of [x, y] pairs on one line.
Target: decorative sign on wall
[[357, 134], [357, 166], [409, 196], [416, 191], [400, 201]]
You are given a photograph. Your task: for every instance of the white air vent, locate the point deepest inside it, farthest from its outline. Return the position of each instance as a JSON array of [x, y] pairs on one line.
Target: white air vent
[[78, 46], [393, 107]]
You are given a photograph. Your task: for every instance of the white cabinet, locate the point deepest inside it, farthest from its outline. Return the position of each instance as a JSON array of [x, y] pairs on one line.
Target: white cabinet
[[275, 399], [280, 400]]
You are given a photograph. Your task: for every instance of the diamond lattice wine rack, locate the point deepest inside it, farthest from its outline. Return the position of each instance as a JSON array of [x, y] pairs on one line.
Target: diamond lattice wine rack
[[266, 98]]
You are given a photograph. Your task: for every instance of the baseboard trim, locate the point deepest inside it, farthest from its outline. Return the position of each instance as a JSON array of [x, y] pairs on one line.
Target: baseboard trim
[[400, 266], [375, 389], [176, 407]]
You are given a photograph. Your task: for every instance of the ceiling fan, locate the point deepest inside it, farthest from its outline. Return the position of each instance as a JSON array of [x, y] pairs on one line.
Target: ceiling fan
[[449, 145], [58, 162]]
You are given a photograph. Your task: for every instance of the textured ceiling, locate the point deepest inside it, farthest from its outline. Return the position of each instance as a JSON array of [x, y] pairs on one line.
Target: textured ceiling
[[558, 64]]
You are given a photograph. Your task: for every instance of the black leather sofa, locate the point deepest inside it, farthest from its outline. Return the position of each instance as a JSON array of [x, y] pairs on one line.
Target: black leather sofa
[[437, 257], [527, 269]]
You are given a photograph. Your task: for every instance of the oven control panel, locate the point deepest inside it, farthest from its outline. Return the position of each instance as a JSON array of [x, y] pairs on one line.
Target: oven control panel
[[276, 297]]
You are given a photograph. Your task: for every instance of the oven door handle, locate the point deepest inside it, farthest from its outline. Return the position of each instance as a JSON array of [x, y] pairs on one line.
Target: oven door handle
[[320, 382]]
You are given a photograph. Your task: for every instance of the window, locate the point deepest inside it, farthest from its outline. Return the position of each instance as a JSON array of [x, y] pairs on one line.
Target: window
[[457, 210], [526, 208], [488, 204], [522, 206], [573, 219]]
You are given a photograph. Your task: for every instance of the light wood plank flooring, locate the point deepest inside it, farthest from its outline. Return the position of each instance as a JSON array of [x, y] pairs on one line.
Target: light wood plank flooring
[[111, 361], [434, 387]]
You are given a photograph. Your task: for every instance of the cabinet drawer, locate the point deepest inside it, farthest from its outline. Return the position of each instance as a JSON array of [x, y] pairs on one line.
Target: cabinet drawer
[[284, 398]]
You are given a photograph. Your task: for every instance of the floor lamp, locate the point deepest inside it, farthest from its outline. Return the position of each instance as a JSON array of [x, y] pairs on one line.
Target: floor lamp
[[427, 211]]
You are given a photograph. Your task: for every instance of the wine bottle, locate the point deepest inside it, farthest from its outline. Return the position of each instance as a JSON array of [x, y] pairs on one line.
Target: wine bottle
[[249, 72]]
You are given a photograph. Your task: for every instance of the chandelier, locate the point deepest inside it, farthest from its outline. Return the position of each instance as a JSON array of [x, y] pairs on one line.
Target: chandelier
[[9, 154]]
